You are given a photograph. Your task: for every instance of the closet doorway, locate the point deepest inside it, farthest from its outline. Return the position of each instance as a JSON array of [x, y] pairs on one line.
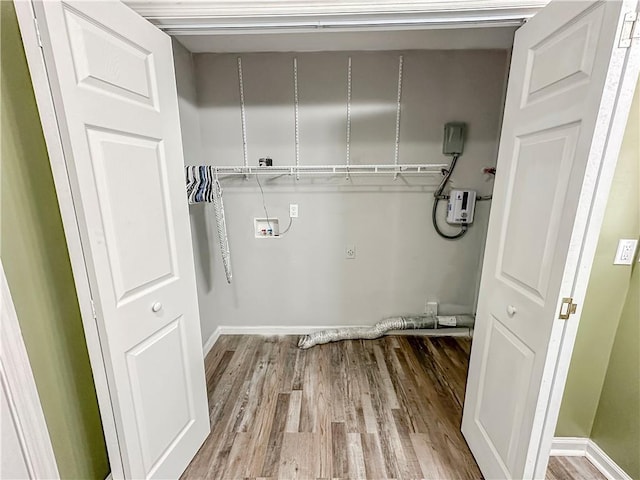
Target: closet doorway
[[110, 76]]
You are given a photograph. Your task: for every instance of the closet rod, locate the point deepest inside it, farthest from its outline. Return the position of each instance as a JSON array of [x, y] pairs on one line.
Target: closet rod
[[410, 169]]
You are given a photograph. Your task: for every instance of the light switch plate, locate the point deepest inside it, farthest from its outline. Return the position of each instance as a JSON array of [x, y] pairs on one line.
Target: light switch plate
[[626, 251]]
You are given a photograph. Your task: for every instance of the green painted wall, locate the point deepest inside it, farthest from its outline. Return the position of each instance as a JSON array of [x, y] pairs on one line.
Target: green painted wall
[[616, 428], [36, 263], [606, 293], [602, 395]]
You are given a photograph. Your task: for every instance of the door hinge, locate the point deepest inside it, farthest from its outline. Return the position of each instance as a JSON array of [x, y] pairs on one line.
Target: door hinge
[[93, 310], [35, 23], [630, 30], [567, 308]]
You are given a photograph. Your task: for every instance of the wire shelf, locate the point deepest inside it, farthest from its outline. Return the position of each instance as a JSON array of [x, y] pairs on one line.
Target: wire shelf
[[297, 170]]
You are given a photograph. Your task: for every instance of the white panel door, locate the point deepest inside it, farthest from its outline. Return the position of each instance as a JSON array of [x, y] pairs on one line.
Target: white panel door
[[565, 74], [113, 81]]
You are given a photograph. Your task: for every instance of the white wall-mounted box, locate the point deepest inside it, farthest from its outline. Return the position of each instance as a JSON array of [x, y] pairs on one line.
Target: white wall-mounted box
[[266, 227]]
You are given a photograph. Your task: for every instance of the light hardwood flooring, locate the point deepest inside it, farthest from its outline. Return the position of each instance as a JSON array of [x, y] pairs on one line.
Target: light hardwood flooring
[[572, 468], [379, 409]]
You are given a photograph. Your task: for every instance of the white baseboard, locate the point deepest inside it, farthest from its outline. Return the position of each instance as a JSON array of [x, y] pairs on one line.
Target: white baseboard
[[211, 341], [605, 463], [269, 330], [266, 331], [569, 447], [585, 447]]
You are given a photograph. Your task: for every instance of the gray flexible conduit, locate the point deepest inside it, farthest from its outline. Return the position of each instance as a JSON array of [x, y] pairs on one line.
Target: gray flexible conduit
[[437, 196]]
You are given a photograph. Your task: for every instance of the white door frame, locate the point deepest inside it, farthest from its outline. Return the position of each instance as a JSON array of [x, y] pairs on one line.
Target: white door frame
[[51, 129], [16, 378], [270, 16]]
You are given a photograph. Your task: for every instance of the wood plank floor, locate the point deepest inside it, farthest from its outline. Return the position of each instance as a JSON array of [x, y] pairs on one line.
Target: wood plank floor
[[572, 468], [380, 409]]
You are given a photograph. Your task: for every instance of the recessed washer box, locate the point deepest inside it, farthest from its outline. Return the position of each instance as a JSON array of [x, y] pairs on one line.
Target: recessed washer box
[[266, 227]]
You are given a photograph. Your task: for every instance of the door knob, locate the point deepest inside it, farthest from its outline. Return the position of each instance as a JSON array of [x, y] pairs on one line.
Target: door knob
[[156, 307], [511, 310]]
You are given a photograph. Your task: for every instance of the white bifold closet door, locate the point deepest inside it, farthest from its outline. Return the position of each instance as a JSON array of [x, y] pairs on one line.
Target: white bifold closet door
[[561, 98], [113, 82]]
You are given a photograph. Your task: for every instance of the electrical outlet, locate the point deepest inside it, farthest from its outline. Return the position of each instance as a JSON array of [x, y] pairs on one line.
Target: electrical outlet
[[293, 210], [350, 252], [431, 308], [626, 251]]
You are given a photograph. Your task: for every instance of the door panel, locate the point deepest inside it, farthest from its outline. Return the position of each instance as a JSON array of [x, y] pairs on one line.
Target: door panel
[[114, 88], [131, 170], [500, 399], [542, 165], [159, 385], [107, 61], [565, 61]]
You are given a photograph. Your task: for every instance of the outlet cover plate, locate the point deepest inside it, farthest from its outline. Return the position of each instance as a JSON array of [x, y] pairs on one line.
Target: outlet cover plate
[[293, 210], [626, 251]]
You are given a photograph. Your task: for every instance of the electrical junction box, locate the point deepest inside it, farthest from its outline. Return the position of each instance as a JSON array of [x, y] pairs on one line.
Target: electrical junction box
[[462, 204], [454, 133]]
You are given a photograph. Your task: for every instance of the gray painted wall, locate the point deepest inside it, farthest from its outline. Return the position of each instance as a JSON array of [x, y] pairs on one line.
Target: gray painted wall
[[304, 278]]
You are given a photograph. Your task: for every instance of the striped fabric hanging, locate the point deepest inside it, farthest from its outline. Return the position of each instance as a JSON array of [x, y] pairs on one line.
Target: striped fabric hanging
[[203, 186]]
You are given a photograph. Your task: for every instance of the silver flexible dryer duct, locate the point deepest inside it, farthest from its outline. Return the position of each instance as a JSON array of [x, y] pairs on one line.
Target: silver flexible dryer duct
[[379, 329]]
